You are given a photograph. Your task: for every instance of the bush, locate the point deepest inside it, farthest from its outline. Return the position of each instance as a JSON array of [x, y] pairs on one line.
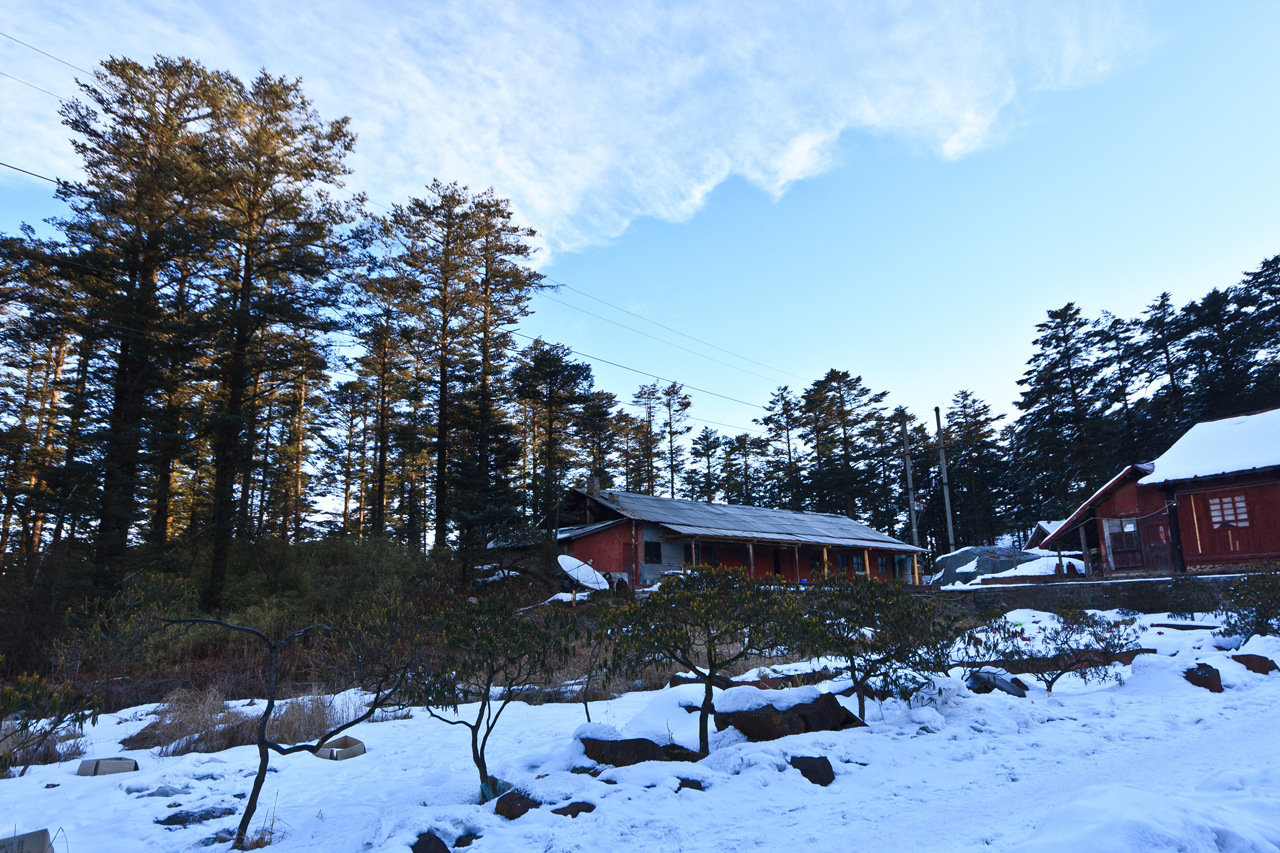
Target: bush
[[1189, 595], [40, 722], [1079, 642], [1252, 606]]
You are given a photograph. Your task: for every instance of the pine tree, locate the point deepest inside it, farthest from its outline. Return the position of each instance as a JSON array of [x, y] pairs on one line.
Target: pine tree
[[782, 422], [703, 482], [675, 407], [648, 439]]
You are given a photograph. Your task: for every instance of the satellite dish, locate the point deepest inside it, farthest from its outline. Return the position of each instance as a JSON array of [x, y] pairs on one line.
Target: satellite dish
[[582, 573]]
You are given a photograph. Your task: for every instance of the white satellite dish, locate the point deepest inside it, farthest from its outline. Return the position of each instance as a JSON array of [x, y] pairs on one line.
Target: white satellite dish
[[582, 573]]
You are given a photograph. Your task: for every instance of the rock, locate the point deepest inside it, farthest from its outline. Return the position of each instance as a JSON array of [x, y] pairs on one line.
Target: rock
[[999, 682], [188, 818], [817, 770], [464, 841], [721, 681], [824, 714], [622, 753], [514, 804], [1020, 684], [676, 752], [1203, 675], [169, 791], [53, 785], [429, 843], [691, 784], [1256, 663], [574, 809]]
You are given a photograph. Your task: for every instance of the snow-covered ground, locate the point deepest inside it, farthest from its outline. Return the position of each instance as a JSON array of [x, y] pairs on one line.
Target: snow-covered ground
[[1155, 764]]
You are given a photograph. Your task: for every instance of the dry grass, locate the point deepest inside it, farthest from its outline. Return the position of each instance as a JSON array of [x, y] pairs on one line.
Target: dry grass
[[62, 746], [200, 721]]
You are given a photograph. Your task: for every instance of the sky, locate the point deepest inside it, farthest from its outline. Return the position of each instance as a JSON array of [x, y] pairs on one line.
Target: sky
[[899, 189]]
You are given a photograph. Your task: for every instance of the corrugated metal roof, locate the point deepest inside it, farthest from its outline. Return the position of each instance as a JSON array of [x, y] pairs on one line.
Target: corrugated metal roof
[[749, 522], [584, 529]]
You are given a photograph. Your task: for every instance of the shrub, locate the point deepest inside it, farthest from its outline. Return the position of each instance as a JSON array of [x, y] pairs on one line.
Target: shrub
[[1189, 595], [40, 722], [706, 620], [1076, 641], [1252, 606]]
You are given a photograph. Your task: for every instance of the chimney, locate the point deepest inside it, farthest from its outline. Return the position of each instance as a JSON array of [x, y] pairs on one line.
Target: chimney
[[593, 486]]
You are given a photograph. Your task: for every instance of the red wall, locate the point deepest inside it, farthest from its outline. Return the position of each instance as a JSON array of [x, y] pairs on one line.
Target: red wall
[[607, 550], [1202, 542]]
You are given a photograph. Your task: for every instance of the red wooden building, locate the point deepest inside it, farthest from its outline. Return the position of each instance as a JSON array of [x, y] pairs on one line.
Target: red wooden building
[[637, 537], [1212, 499]]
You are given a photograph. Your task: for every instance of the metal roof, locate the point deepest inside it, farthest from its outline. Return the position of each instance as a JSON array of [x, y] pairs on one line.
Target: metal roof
[[584, 529], [728, 521]]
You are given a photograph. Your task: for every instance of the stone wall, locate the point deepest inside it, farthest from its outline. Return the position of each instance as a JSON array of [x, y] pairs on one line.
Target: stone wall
[[1148, 595]]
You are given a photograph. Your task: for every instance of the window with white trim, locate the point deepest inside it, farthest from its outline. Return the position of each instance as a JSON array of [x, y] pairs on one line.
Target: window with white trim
[[1228, 512]]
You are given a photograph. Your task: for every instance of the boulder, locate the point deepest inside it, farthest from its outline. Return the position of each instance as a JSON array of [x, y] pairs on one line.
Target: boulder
[[676, 752], [623, 753], [189, 818], [1256, 663], [429, 843], [464, 840], [692, 784], [824, 714], [993, 681], [724, 682], [574, 809], [817, 769], [1203, 675], [514, 804]]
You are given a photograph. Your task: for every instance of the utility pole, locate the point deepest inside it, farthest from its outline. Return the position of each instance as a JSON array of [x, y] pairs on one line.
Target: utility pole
[[946, 488], [911, 489]]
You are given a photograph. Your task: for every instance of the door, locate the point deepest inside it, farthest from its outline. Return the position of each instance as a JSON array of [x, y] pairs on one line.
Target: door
[[1159, 547]]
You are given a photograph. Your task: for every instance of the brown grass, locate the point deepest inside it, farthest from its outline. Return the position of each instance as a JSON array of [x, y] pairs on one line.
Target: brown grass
[[63, 746], [200, 721]]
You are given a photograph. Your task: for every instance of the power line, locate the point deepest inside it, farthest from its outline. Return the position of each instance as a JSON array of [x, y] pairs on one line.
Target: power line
[[648, 373], [32, 174], [31, 85], [50, 55], [654, 337], [676, 331]]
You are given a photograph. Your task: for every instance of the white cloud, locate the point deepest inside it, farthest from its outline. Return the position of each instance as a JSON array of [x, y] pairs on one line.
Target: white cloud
[[588, 115]]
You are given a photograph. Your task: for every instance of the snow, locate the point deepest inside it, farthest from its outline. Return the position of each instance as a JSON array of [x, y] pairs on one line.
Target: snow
[[1153, 764], [738, 699], [1221, 447]]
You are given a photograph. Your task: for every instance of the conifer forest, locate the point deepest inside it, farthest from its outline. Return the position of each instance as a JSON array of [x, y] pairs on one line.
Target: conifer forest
[[223, 367]]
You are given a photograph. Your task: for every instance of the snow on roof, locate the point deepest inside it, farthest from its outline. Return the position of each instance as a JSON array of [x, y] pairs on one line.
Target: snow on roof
[[694, 518], [1223, 446]]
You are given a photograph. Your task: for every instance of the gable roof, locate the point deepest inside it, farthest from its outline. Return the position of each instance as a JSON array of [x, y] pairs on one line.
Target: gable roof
[[730, 521], [1079, 516], [1224, 446]]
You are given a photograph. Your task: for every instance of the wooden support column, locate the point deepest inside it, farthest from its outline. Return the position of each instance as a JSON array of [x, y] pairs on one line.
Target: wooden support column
[[866, 562], [824, 562], [751, 559], [796, 549], [915, 568], [1084, 552], [635, 558]]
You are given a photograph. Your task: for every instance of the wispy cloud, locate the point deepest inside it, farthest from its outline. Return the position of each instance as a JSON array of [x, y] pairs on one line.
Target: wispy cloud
[[589, 115]]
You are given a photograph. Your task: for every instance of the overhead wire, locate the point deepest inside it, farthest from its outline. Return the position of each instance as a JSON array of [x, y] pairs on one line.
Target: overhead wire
[[32, 174], [50, 55], [669, 329], [31, 85]]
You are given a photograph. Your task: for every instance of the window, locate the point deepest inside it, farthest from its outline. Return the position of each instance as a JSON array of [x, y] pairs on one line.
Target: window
[[883, 565], [653, 552], [1228, 512], [711, 555], [815, 561], [842, 562], [856, 561]]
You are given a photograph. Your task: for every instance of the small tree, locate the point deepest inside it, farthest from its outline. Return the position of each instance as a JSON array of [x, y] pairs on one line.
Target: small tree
[[34, 712], [879, 629], [489, 652], [706, 621], [1077, 641], [386, 691], [1252, 606], [1189, 595]]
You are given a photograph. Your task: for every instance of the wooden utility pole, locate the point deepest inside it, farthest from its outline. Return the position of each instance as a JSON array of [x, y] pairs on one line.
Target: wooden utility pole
[[946, 488], [911, 489]]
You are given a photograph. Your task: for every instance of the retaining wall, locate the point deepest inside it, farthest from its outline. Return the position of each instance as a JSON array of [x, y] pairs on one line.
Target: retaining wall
[[1145, 595]]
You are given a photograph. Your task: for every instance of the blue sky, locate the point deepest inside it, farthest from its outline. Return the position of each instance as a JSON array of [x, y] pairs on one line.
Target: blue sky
[[900, 190]]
